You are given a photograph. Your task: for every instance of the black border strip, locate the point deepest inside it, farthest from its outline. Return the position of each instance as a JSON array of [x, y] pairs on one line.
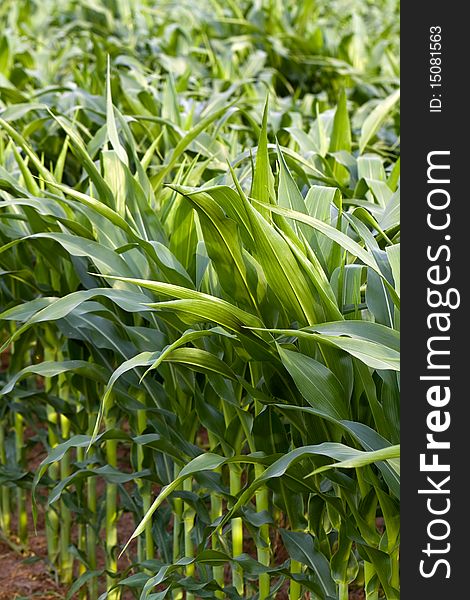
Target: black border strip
[[424, 132]]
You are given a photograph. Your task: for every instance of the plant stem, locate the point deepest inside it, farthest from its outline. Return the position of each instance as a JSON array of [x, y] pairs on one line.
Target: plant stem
[[66, 559], [216, 512], [52, 516], [295, 588], [343, 591], [177, 522], [264, 553], [111, 516], [262, 504], [237, 530], [5, 515], [146, 547], [92, 525], [20, 492], [81, 533], [91, 536], [147, 502], [188, 528], [395, 560]]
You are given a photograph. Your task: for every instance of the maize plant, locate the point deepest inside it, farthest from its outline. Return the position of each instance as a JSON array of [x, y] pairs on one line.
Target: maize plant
[[200, 296]]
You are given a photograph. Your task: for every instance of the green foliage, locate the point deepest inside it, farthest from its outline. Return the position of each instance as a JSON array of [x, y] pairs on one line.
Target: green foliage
[[199, 255]]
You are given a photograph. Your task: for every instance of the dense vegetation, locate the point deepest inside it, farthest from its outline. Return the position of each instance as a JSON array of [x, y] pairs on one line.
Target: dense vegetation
[[199, 229]]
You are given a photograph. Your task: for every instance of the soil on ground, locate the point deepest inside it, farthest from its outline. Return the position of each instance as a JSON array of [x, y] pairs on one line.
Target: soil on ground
[[26, 575]]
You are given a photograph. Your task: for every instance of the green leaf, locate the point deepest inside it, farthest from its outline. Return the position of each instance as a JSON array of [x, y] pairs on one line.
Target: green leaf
[[393, 253], [111, 122], [48, 369], [263, 179], [375, 345], [317, 384], [301, 548], [373, 122], [204, 462], [359, 458], [341, 133]]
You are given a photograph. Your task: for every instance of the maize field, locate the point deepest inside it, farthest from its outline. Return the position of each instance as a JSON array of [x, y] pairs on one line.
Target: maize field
[[200, 297]]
